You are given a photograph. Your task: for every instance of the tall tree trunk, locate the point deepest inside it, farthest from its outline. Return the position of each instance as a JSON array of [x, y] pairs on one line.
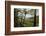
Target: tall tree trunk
[[35, 18], [24, 16]]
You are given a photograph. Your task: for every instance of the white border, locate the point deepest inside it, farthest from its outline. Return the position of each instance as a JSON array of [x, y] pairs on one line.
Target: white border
[[26, 28]]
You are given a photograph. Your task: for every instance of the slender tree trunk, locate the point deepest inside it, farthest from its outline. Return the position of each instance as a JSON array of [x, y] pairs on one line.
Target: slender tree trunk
[[35, 18], [24, 17]]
